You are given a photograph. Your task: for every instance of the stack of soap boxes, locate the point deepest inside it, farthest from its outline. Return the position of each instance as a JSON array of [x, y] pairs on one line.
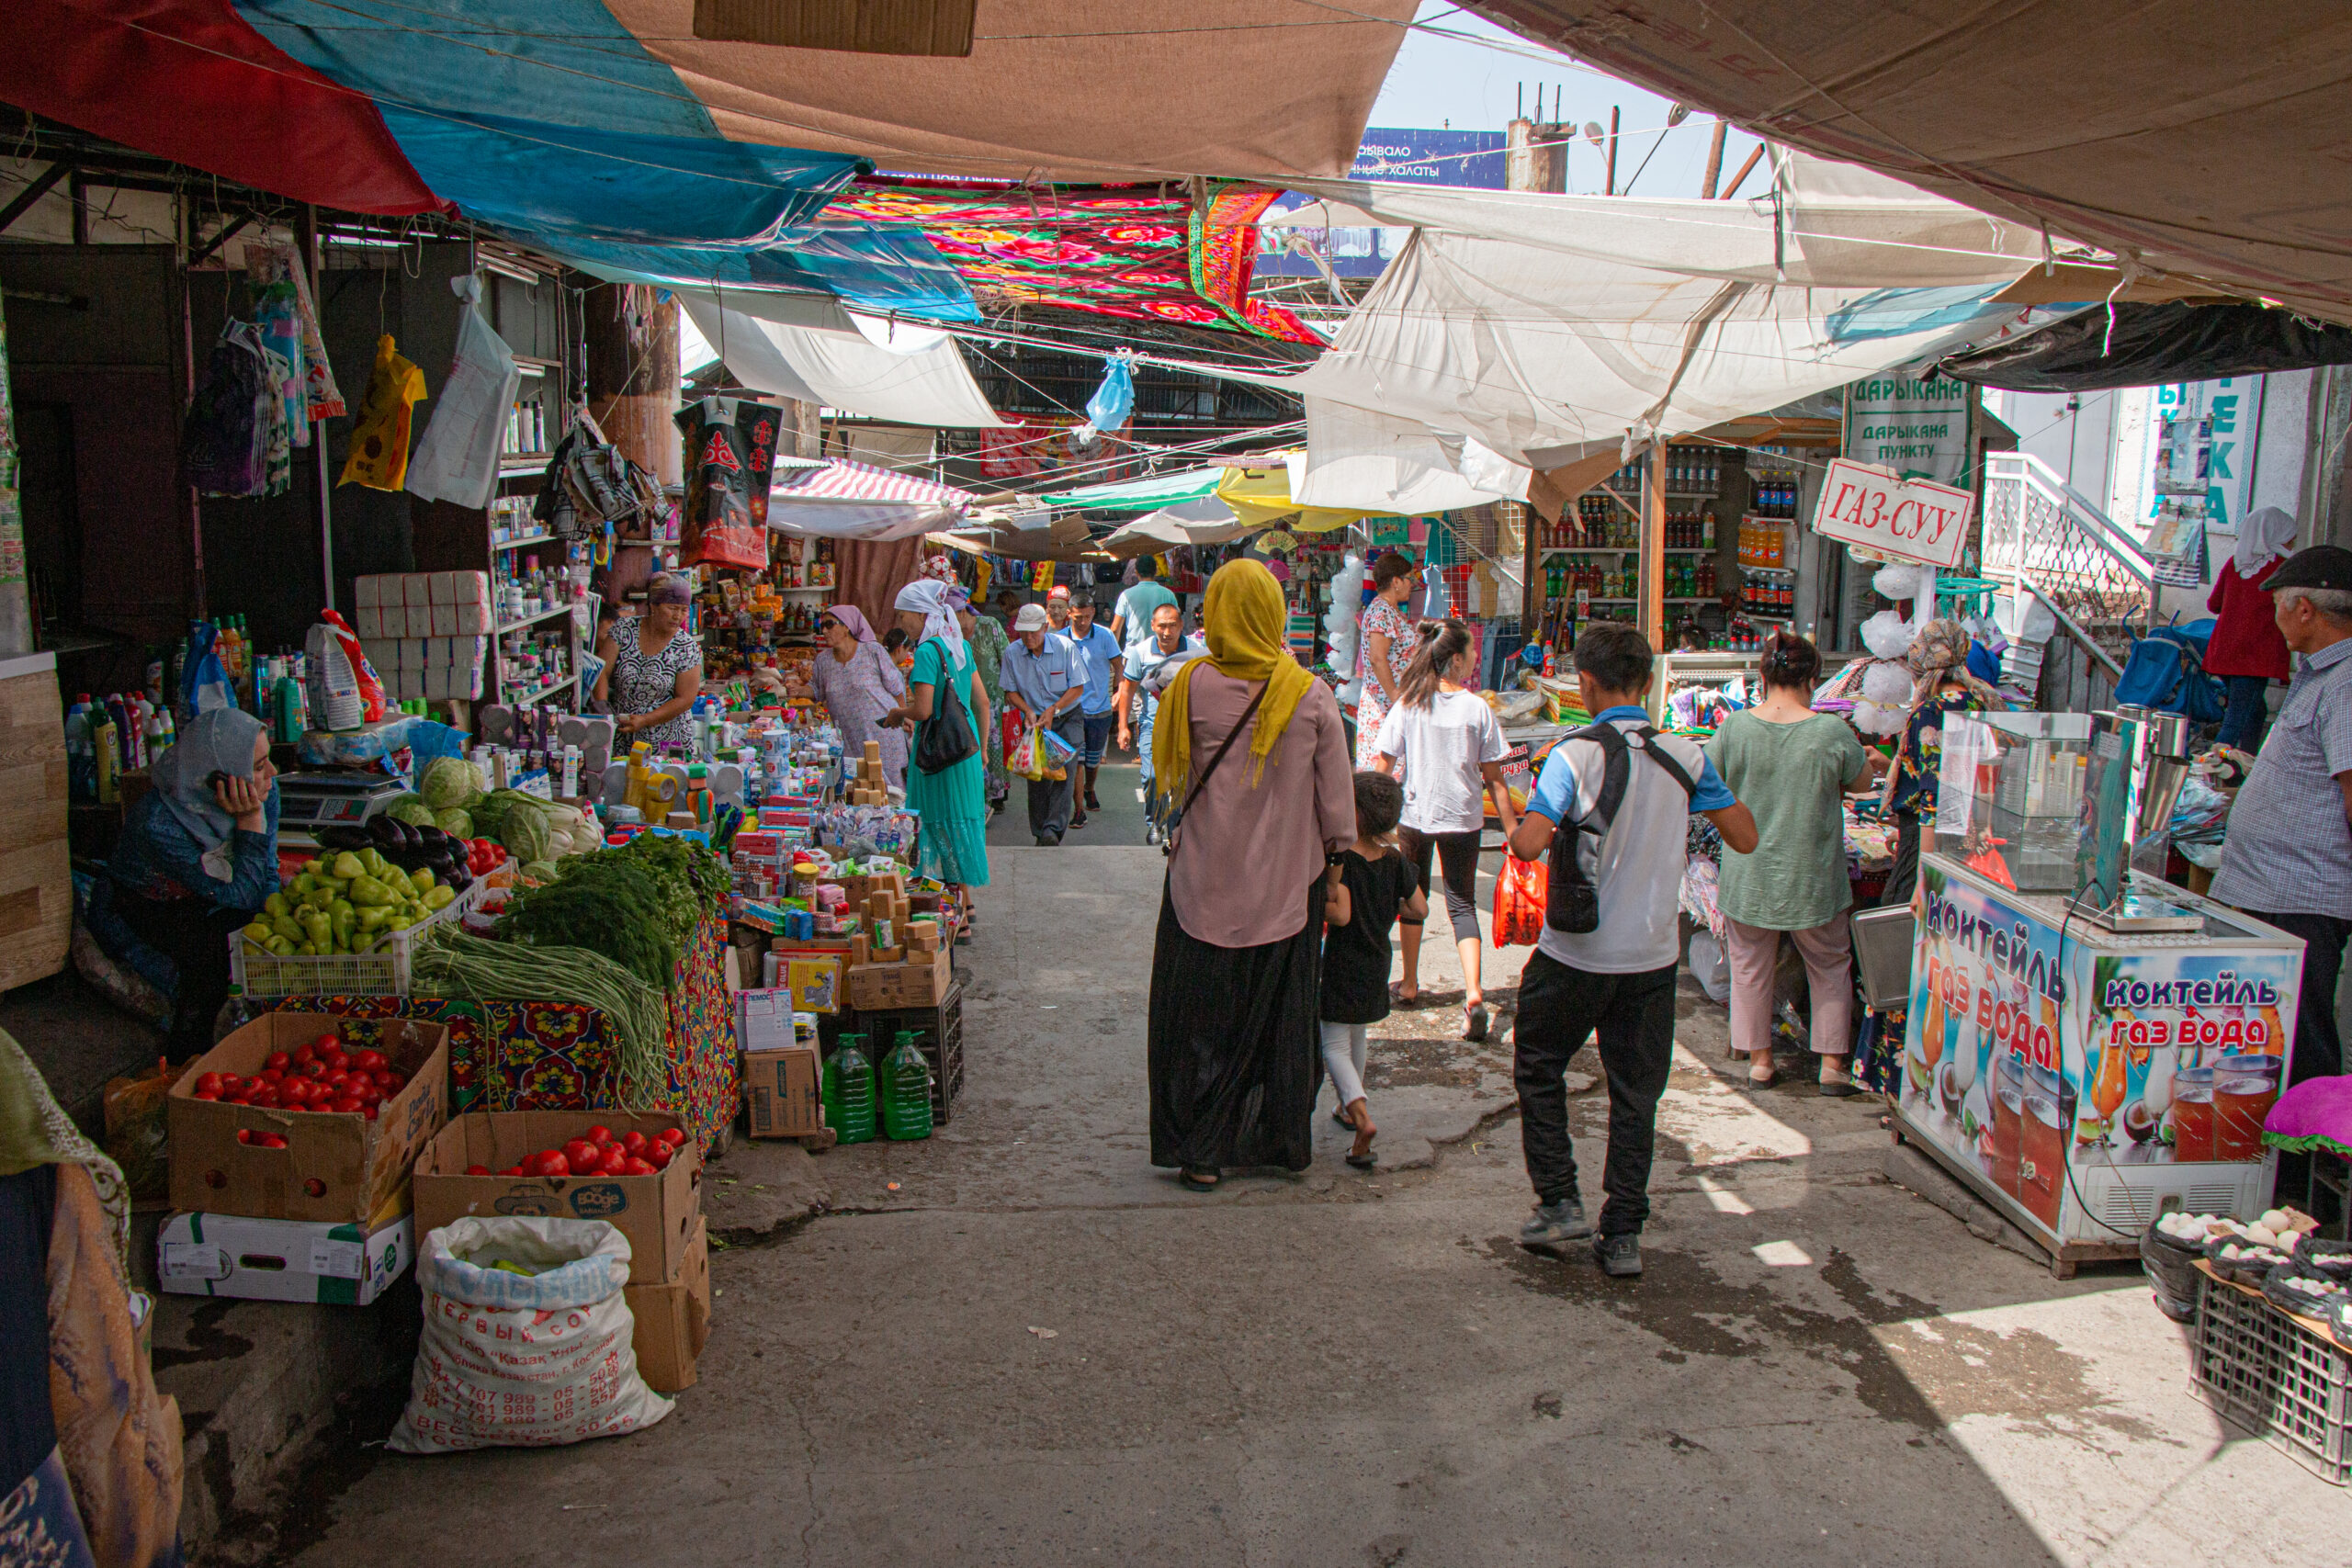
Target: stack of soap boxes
[[426, 632]]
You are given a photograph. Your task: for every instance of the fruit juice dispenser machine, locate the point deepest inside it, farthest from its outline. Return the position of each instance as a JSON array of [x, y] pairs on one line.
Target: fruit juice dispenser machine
[[2138, 762]]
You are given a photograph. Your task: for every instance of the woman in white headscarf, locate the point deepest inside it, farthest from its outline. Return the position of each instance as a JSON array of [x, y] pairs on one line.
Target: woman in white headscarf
[[2246, 651], [953, 801]]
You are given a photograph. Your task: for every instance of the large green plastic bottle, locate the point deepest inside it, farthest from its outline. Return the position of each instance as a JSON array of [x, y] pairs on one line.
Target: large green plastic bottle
[[849, 1091], [906, 1090]]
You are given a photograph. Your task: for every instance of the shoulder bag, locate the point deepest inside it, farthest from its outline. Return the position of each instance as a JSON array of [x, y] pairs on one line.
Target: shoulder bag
[[946, 738], [1176, 818], [1572, 899]]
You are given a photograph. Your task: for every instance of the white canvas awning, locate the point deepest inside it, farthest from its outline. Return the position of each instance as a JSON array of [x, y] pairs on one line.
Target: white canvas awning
[[795, 345], [849, 500]]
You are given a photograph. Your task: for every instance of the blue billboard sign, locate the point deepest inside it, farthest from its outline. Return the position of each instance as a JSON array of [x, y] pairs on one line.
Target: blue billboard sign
[[1467, 158]]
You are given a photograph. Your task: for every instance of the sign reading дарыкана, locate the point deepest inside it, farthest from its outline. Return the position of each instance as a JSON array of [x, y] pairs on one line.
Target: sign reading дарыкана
[[1917, 429]]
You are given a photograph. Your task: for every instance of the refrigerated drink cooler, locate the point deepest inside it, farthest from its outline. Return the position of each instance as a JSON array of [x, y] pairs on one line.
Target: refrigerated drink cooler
[[2082, 1079]]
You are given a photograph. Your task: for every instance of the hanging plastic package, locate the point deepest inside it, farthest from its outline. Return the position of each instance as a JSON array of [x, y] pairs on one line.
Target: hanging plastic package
[[221, 443], [344, 690], [457, 459], [1113, 401], [204, 682], [379, 439], [281, 333], [731, 457], [268, 262]]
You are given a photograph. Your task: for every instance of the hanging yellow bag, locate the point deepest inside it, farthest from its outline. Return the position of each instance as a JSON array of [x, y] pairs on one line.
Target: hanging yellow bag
[[380, 440]]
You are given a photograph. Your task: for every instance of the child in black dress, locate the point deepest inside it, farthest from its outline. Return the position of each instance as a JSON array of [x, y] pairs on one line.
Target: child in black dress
[[1371, 885]]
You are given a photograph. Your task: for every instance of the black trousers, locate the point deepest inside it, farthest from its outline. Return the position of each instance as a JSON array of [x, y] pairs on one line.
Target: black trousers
[[1560, 1007], [2319, 1048], [1049, 799], [1903, 876], [1457, 856], [195, 936]]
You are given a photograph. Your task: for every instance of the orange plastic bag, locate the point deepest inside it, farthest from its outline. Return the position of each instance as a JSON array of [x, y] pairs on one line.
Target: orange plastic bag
[[1521, 894]]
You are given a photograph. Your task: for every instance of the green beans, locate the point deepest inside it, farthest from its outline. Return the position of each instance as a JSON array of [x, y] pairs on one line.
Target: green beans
[[449, 963]]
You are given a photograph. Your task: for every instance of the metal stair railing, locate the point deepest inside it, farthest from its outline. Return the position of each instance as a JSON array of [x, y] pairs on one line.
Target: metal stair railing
[[2048, 538]]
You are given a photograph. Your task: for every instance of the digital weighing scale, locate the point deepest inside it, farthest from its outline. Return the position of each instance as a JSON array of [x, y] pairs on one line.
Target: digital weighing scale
[[307, 802]]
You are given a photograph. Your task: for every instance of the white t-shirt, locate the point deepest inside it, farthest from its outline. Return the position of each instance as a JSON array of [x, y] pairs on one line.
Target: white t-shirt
[[1442, 747]]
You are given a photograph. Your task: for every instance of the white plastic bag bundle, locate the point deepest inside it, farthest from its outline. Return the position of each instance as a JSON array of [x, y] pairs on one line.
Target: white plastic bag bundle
[[1710, 967], [1871, 718], [1888, 685], [1900, 581], [457, 460], [1888, 635], [518, 1360]]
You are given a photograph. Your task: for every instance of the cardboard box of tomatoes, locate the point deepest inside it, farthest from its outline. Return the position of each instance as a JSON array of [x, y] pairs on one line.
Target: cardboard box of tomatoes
[[569, 1164], [305, 1116]]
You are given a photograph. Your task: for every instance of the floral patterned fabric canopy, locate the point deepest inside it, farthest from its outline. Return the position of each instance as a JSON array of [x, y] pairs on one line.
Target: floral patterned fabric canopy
[[1143, 252]]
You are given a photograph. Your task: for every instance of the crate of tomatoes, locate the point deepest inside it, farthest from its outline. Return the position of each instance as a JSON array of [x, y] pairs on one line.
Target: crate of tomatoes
[[636, 1169], [300, 1116]]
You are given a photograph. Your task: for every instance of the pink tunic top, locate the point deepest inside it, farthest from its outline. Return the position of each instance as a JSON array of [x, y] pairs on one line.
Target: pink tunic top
[[1244, 855]]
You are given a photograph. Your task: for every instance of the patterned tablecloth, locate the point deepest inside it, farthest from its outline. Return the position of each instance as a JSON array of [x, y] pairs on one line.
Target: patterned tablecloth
[[535, 1056]]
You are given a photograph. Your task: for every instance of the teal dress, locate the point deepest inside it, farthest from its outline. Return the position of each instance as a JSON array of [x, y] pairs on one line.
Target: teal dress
[[952, 804]]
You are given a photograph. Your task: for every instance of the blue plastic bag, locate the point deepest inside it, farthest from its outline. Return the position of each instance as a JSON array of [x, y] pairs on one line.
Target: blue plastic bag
[[2166, 673], [204, 682]]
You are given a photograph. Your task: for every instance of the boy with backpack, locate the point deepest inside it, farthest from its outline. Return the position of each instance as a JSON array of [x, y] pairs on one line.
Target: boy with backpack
[[1611, 810]]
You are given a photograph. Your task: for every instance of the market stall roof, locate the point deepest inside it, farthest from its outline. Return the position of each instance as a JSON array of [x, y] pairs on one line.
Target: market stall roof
[[1147, 494], [611, 123], [2146, 346], [841, 500], [822, 353], [2187, 136], [1205, 522]]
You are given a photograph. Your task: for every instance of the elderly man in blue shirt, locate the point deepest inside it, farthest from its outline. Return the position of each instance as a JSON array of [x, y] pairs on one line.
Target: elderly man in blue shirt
[[2287, 857], [1045, 682]]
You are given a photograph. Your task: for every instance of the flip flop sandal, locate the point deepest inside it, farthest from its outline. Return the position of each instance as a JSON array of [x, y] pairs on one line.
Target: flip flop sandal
[[1341, 1118], [1474, 1020], [1199, 1180], [1403, 1003], [1365, 1161]]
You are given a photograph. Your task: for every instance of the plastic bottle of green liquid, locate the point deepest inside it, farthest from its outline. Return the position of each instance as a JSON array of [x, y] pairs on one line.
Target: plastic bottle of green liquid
[[849, 1092], [906, 1090]]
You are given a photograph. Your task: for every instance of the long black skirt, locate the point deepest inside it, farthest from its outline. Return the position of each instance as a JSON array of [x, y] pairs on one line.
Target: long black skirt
[[1236, 1055]]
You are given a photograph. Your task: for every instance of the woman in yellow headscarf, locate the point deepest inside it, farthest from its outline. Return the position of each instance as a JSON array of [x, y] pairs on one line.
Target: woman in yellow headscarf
[[1235, 1053]]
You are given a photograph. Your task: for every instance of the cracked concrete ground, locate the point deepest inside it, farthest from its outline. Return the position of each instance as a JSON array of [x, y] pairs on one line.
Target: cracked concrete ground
[[1037, 1349]]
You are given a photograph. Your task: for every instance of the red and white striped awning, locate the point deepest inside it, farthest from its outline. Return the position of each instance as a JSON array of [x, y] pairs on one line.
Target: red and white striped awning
[[854, 500]]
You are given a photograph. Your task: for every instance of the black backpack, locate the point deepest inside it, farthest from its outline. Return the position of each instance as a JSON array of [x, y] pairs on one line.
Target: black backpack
[[1573, 903]]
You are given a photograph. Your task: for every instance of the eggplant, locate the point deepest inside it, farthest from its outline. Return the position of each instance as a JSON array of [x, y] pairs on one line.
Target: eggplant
[[383, 829], [339, 838]]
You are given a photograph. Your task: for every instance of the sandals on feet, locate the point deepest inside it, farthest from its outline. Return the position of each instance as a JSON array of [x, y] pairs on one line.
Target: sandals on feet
[[1474, 1020], [1364, 1161], [1400, 1001]]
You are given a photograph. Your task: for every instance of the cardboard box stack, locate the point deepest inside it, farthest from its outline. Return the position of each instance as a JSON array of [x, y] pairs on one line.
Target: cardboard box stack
[[669, 1275], [781, 1088], [281, 1204], [427, 633], [867, 786]]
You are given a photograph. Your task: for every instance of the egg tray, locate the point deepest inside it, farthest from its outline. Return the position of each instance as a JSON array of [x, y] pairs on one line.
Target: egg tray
[[2280, 1375]]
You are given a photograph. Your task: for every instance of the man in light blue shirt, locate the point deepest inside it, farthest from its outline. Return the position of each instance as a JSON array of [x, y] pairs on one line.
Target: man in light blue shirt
[[1131, 616], [1143, 669], [1618, 974], [1044, 684], [1098, 655]]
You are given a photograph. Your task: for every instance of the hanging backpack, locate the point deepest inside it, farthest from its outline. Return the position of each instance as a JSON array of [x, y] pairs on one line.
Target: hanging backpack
[[2165, 672], [1573, 904]]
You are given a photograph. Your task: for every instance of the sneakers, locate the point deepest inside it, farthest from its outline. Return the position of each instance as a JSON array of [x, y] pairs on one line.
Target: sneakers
[[1048, 840], [1620, 1256], [1553, 1223], [1092, 803]]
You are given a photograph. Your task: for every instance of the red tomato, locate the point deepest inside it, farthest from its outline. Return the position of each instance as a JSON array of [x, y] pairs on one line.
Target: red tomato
[[244, 1134], [370, 1060], [303, 1056], [599, 1135], [583, 1155], [272, 1074], [325, 1043], [634, 1141], [477, 1171], [633, 1166], [614, 1162], [390, 1082], [211, 1081], [294, 1091], [370, 1108], [231, 1082], [270, 1140], [366, 1094], [277, 1062], [315, 1187], [264, 1097], [659, 1155], [347, 1107], [511, 1170], [313, 1069]]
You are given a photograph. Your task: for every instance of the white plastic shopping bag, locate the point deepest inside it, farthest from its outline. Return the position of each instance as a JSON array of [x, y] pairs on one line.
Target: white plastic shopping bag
[[457, 458], [524, 1360]]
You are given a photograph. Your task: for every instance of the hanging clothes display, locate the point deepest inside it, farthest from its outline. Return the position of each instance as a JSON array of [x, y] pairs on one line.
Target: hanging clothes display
[[379, 441], [457, 460], [224, 442]]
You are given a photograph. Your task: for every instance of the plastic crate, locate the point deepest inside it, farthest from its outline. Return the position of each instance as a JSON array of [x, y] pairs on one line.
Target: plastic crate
[[2274, 1376], [382, 971], [939, 1035]]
